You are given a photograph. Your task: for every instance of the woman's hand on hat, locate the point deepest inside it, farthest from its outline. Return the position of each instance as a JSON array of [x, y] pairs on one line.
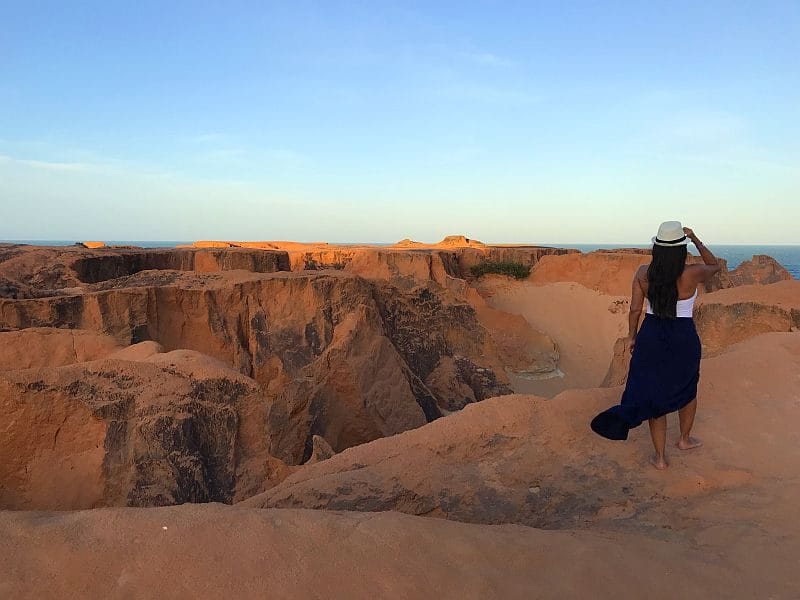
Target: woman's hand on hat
[[689, 233]]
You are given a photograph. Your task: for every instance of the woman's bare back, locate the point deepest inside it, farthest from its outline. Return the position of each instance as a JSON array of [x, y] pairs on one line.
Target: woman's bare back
[[691, 277]]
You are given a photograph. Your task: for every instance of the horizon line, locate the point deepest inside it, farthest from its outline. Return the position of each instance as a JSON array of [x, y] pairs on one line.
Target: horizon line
[[350, 243]]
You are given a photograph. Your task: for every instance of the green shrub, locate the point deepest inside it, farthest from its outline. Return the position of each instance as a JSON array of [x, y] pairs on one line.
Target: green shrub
[[512, 269]]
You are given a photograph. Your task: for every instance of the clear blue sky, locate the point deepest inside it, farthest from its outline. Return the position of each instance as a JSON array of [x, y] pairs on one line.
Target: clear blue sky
[[375, 121]]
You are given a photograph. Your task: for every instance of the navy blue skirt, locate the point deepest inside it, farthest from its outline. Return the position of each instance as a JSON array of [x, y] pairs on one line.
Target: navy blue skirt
[[662, 378]]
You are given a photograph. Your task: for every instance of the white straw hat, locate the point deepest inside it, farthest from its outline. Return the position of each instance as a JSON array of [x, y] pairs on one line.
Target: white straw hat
[[670, 233]]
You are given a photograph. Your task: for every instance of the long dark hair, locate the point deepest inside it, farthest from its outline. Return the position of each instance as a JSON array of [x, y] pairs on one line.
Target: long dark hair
[[662, 279]]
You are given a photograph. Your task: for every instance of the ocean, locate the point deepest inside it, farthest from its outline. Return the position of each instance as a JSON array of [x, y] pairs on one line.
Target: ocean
[[787, 255]]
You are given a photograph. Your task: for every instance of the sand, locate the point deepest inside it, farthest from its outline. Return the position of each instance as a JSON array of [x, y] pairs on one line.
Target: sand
[[214, 551], [584, 324]]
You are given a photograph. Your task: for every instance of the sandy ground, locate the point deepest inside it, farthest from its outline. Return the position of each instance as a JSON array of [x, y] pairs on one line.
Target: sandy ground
[[583, 322], [216, 551]]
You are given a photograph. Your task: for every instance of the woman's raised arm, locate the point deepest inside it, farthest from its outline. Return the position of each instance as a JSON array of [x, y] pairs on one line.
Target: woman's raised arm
[[711, 266]]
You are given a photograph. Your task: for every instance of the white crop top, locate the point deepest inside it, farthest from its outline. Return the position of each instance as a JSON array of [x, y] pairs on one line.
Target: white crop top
[[683, 308]]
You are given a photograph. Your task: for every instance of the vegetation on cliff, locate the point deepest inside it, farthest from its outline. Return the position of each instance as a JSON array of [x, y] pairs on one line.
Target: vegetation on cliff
[[512, 269]]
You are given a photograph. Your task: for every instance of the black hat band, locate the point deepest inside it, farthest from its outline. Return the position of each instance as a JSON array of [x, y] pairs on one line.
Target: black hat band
[[658, 241]]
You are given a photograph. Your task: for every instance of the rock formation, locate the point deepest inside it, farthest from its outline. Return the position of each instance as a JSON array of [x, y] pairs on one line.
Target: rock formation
[[607, 271], [520, 459], [277, 375], [760, 269], [173, 428], [44, 271], [383, 344], [41, 347], [736, 314]]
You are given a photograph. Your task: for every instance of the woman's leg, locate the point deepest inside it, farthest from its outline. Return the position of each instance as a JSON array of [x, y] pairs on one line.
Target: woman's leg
[[686, 419], [658, 431]]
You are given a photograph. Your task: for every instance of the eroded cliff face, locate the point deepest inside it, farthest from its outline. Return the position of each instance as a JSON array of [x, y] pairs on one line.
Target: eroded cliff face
[[209, 374], [385, 342], [34, 271], [611, 271], [163, 431]]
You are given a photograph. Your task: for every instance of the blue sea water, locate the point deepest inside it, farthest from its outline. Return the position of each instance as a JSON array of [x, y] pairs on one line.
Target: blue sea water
[[787, 255]]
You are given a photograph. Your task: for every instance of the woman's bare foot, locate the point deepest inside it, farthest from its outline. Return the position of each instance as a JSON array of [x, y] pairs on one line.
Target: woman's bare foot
[[659, 462], [688, 443]]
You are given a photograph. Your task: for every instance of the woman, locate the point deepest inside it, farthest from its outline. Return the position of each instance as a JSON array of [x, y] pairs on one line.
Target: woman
[[665, 361]]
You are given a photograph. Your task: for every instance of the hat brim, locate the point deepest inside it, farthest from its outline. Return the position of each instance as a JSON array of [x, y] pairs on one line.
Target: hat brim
[[683, 242]]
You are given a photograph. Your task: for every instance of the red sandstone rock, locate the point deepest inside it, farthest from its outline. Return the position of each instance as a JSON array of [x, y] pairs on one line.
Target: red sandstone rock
[[459, 241], [265, 369], [610, 272], [34, 271], [321, 450], [760, 270], [389, 341], [522, 459], [288, 332], [114, 432], [732, 315], [39, 347], [618, 369]]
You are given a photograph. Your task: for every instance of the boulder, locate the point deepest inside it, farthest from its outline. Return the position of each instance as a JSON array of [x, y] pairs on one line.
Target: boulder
[[320, 450], [761, 270]]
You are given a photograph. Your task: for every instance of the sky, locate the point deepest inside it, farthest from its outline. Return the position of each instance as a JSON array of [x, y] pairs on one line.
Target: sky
[[541, 122]]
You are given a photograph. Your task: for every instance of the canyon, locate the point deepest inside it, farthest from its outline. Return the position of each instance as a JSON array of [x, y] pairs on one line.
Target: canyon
[[332, 399]]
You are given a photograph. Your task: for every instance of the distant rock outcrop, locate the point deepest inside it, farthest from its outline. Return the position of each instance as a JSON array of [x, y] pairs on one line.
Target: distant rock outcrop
[[459, 241], [761, 270], [407, 243], [31, 271]]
